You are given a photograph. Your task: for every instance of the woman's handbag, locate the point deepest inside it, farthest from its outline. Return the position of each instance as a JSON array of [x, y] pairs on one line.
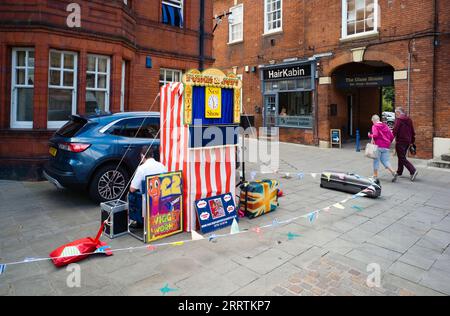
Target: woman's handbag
[[371, 151], [413, 149]]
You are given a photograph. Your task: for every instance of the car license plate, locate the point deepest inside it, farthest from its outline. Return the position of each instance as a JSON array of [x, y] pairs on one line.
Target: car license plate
[[53, 151]]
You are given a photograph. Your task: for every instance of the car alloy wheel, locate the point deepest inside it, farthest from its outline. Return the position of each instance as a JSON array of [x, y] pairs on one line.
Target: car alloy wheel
[[111, 185]]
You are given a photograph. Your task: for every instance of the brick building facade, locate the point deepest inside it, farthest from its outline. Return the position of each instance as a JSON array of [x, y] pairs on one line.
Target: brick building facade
[[114, 61], [312, 66]]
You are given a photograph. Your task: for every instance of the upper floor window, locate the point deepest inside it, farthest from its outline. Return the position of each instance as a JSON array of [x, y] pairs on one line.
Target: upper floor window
[[273, 16], [22, 88], [169, 75], [172, 12], [236, 31], [62, 88], [97, 84], [359, 17]]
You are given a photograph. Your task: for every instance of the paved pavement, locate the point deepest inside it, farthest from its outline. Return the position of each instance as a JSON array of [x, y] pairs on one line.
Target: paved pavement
[[406, 233]]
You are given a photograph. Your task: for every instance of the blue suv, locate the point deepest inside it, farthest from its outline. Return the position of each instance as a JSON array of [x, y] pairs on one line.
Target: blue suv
[[100, 153]]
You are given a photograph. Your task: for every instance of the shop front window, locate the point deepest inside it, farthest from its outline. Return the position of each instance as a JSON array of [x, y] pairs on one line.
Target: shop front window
[[295, 109]]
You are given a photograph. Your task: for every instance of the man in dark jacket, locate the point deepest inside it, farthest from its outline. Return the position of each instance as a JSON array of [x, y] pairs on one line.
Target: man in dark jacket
[[405, 136]]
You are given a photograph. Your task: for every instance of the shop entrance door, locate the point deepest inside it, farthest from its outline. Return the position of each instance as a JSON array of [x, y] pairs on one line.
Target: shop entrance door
[[270, 110]]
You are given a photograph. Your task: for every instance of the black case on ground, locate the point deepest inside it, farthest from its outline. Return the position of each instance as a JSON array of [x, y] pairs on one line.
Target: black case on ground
[[350, 183]]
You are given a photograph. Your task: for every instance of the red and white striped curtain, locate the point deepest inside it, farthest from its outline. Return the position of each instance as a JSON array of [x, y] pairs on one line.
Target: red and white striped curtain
[[207, 172]]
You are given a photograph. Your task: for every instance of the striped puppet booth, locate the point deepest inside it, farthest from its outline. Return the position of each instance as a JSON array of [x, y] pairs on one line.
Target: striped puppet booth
[[199, 123]]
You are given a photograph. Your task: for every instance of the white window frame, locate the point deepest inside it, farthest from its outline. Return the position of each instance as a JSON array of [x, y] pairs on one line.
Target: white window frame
[[61, 86], [177, 4], [362, 34], [266, 20], [122, 86], [241, 22], [164, 82], [96, 73], [14, 86]]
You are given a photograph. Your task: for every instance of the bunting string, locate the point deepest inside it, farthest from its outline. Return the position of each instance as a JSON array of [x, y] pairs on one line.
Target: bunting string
[[311, 217]]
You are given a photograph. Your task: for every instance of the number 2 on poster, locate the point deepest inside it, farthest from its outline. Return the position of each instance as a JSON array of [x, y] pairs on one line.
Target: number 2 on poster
[[171, 186]]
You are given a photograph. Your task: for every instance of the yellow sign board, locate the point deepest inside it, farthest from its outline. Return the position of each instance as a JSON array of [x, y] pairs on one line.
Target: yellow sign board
[[213, 100]]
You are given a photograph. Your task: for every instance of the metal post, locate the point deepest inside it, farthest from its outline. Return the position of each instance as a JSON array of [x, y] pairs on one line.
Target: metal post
[[358, 139]]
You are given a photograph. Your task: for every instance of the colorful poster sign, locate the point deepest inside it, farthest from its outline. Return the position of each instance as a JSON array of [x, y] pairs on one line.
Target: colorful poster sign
[[216, 212], [164, 198], [213, 101]]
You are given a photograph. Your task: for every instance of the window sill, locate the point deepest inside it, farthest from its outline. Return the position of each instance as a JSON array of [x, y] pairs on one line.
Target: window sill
[[275, 32], [366, 35], [235, 43], [296, 127]]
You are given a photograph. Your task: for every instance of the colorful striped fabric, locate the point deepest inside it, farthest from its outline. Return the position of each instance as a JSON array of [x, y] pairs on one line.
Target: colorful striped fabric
[[207, 172]]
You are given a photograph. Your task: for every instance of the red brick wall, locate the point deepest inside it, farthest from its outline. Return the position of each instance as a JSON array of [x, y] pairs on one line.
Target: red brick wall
[[107, 28], [312, 27], [442, 110]]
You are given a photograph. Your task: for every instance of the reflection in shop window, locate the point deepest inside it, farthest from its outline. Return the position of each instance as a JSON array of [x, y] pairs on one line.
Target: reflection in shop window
[[97, 84], [295, 109], [22, 88], [62, 87]]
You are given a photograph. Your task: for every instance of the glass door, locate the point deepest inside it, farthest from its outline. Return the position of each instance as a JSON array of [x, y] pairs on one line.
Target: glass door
[[270, 110]]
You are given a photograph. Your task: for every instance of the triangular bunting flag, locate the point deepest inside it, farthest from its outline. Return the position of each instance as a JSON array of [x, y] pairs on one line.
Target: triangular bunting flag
[[300, 175], [253, 175], [2, 269], [327, 175], [339, 206], [166, 290], [196, 236], [314, 175], [312, 217], [292, 236], [357, 208], [178, 243], [212, 238], [151, 248], [102, 249], [256, 230], [234, 227], [327, 209], [341, 176], [275, 223]]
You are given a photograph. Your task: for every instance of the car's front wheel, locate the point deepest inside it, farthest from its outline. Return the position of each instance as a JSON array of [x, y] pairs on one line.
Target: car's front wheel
[[109, 183]]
